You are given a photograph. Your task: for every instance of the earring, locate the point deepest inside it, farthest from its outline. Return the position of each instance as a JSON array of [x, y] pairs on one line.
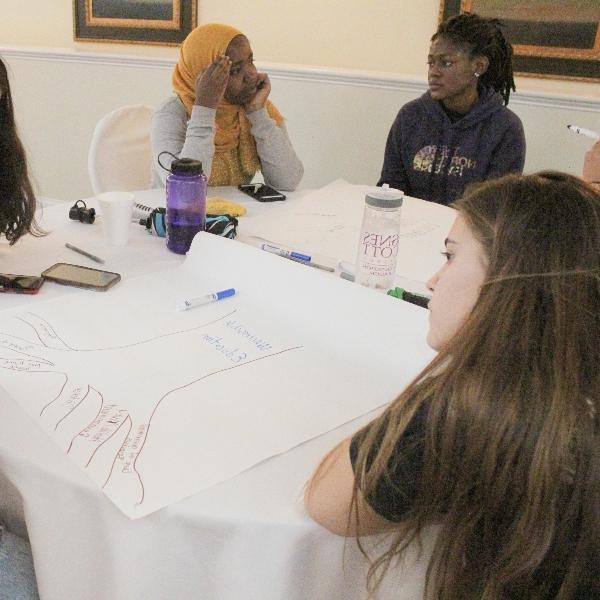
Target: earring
[[476, 74]]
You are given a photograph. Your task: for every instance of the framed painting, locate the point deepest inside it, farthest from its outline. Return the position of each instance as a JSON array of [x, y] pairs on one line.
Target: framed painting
[[133, 21], [550, 38]]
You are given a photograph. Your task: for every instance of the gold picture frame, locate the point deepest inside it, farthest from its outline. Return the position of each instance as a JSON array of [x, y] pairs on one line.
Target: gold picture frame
[[558, 39], [163, 22]]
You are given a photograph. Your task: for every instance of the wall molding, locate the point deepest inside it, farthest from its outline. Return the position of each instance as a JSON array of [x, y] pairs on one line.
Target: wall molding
[[331, 76]]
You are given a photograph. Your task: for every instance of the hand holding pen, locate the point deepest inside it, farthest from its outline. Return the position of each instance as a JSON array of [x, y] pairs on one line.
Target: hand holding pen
[[593, 135]]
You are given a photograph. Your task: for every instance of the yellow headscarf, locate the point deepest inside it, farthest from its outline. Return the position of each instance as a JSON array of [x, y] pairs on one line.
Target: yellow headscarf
[[235, 160]]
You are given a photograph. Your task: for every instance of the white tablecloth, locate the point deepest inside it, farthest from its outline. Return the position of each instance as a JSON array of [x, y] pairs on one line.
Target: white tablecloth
[[246, 538]]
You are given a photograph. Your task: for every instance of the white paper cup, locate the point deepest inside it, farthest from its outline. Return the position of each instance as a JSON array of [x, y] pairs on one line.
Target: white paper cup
[[116, 209]]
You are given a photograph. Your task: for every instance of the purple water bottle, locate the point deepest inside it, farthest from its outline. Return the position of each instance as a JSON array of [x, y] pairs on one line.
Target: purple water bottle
[[186, 203]]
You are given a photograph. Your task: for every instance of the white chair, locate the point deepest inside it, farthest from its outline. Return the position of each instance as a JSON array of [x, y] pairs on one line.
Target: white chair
[[120, 157]]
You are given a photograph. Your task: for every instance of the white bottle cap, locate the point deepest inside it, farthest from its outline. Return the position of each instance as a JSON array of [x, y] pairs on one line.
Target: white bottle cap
[[384, 197]]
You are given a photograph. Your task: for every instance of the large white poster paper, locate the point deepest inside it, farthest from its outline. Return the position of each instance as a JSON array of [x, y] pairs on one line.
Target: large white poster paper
[[157, 404], [327, 222]]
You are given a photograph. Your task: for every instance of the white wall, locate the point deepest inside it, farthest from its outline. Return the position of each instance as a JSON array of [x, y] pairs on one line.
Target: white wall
[[389, 36], [371, 57], [338, 119], [334, 33]]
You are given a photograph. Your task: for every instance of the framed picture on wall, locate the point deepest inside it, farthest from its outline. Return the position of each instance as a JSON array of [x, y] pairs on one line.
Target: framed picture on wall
[[133, 21], [550, 38]]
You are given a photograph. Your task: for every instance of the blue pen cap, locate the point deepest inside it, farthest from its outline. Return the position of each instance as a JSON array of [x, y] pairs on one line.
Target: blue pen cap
[[225, 293]]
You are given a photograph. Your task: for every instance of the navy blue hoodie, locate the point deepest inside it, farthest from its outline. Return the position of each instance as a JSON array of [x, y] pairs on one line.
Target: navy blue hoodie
[[429, 156]]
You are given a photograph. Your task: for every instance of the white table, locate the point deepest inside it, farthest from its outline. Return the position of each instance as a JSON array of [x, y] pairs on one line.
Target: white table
[[246, 538]]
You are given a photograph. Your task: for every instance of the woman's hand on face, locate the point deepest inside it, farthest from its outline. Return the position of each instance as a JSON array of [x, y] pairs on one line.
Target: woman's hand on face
[[263, 89], [212, 82]]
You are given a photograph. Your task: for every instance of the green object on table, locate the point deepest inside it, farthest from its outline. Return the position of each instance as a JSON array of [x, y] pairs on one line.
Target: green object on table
[[411, 297], [397, 292]]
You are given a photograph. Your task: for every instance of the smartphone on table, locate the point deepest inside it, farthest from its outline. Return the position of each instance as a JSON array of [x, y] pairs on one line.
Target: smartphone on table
[[20, 284], [261, 192], [83, 277]]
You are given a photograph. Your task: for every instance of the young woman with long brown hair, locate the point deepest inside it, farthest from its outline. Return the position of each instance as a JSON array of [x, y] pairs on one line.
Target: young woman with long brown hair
[[17, 199], [17, 217], [497, 442]]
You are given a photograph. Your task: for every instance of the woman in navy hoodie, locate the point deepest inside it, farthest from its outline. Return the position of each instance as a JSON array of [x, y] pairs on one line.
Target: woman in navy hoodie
[[460, 130]]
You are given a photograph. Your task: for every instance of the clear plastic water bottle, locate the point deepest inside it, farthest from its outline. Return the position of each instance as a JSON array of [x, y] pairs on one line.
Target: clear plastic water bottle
[[378, 242], [186, 203]]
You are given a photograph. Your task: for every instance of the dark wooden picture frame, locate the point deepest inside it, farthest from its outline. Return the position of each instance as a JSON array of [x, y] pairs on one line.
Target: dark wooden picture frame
[[165, 22], [555, 39]]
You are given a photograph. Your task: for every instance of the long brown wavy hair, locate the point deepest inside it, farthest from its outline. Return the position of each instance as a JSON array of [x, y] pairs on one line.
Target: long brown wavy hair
[[17, 199], [511, 471]]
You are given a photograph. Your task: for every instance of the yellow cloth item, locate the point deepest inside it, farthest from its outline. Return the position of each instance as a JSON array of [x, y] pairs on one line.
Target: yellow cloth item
[[235, 160], [220, 206]]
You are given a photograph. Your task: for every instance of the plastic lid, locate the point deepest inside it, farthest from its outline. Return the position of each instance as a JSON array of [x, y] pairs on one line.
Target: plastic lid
[[186, 166], [384, 197]]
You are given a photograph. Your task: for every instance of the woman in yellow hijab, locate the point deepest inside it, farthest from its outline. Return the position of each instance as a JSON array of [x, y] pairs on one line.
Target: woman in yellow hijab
[[221, 114]]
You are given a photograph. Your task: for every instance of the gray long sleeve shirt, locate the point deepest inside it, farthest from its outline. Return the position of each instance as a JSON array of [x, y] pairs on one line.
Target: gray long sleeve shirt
[[193, 137]]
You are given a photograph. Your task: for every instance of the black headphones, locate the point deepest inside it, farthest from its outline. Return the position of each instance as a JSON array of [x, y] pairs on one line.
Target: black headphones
[[82, 213]]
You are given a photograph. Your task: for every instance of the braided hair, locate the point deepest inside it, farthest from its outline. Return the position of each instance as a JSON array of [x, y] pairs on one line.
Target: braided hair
[[485, 38], [17, 199]]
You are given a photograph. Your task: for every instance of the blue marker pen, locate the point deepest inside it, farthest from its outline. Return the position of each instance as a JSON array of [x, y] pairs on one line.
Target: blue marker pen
[[206, 299], [285, 253]]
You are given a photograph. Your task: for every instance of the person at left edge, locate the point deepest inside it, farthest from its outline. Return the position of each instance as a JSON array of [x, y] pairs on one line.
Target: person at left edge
[[221, 114], [591, 165], [17, 218], [460, 130]]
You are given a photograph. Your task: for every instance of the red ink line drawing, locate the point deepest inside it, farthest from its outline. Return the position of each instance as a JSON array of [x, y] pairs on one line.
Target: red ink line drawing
[[192, 383], [110, 418], [57, 396], [128, 418], [89, 423], [72, 409], [112, 466], [49, 327]]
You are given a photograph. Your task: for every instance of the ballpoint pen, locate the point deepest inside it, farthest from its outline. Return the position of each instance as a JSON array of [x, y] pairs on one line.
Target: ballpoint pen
[[84, 253], [313, 264]]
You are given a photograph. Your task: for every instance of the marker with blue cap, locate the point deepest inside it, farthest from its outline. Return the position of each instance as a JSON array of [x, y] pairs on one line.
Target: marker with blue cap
[[285, 253], [206, 299]]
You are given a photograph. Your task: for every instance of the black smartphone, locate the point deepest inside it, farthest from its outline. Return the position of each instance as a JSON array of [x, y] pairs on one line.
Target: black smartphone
[[20, 284], [83, 277], [261, 192]]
